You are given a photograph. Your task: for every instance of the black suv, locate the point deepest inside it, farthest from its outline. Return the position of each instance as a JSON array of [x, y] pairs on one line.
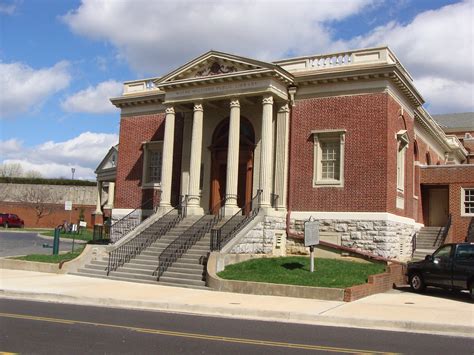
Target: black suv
[[451, 266]]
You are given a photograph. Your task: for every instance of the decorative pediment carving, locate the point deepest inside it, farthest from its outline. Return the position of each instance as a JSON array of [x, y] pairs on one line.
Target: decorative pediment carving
[[215, 69], [213, 64]]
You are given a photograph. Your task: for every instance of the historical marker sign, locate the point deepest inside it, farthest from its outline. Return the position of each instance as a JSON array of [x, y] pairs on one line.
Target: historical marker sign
[[68, 205], [311, 233]]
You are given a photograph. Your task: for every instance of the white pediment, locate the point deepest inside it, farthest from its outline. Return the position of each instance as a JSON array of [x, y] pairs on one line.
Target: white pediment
[[109, 161], [213, 64]]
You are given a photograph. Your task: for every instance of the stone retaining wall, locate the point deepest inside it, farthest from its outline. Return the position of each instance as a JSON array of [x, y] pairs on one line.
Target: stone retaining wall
[[388, 239]]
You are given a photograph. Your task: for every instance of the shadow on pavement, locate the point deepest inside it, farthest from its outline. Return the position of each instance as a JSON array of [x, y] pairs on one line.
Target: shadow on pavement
[[461, 296]]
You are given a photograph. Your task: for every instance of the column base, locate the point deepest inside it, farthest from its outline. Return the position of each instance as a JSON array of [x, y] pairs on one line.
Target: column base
[[231, 210], [195, 211]]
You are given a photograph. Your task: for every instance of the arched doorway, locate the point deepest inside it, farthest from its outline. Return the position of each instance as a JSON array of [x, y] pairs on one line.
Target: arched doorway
[[220, 141]]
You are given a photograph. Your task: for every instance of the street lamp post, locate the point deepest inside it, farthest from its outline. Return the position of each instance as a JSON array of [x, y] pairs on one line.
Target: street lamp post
[[73, 170]]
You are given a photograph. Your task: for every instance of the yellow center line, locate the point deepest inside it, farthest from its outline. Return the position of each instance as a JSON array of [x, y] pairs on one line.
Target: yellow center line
[[197, 335]]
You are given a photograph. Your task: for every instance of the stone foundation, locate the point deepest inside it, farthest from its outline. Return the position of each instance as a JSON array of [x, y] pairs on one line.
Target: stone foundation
[[388, 239], [385, 238], [267, 237]]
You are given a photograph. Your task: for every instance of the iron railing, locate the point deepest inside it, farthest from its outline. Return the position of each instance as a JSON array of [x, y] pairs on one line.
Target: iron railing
[[190, 237], [126, 224], [274, 199], [182, 244], [413, 244], [132, 248], [470, 232], [443, 233], [222, 235]]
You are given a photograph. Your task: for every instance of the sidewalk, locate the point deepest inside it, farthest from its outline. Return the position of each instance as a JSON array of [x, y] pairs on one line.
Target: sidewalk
[[395, 310]]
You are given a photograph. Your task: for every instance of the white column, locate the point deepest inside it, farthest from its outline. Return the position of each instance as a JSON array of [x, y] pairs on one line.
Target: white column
[[167, 160], [111, 193], [99, 198], [266, 151], [194, 207], [281, 155], [233, 158]]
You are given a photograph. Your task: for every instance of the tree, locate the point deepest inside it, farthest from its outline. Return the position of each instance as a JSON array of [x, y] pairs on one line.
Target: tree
[[38, 197], [34, 174], [11, 170]]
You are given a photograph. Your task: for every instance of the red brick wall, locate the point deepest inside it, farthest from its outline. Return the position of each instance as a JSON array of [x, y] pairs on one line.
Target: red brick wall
[[397, 121], [364, 119], [456, 177], [55, 214], [395, 275], [134, 130], [371, 122]]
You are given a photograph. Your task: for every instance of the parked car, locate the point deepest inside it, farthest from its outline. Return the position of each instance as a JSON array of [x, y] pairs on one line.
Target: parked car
[[11, 220], [451, 266]]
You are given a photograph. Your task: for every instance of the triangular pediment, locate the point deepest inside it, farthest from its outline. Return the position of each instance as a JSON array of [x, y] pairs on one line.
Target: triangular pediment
[[213, 64], [109, 161]]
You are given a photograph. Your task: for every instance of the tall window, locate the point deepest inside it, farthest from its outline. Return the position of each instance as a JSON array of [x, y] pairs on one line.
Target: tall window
[[467, 203], [152, 162], [328, 158], [402, 138]]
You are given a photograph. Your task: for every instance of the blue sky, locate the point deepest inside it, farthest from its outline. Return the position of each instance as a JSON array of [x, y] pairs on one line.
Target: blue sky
[[61, 60]]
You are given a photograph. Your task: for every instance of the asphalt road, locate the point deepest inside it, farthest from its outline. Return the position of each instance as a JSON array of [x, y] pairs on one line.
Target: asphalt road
[[47, 328], [25, 243]]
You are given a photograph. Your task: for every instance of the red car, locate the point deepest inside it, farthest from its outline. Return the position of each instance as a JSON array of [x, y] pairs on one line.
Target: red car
[[11, 220]]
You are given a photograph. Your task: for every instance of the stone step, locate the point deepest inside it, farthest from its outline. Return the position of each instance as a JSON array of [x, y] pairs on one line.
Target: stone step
[[191, 269], [165, 279], [182, 276]]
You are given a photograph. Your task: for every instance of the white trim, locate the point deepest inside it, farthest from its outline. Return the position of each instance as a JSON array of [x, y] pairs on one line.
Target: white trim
[[330, 134], [463, 195], [362, 216]]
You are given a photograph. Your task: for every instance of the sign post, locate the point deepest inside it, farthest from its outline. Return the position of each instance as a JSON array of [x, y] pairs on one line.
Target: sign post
[[68, 207], [311, 238]]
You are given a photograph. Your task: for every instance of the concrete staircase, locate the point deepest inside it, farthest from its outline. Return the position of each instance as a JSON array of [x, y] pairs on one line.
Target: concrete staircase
[[426, 242], [187, 271]]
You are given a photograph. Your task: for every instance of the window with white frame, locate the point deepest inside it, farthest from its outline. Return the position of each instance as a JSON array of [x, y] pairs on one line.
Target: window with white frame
[[467, 203], [328, 157], [402, 138], [152, 162]]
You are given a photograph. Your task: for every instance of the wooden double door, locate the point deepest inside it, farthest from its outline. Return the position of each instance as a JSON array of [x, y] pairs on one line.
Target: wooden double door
[[219, 166]]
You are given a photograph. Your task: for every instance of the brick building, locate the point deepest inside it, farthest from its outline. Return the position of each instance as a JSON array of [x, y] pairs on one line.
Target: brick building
[[340, 137]]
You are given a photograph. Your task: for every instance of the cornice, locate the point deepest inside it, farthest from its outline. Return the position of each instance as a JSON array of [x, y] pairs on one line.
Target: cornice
[[138, 99], [392, 72], [434, 130]]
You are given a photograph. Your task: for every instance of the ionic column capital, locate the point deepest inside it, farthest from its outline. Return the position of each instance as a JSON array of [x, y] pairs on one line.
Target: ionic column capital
[[234, 102], [267, 100], [198, 107], [169, 110], [284, 108]]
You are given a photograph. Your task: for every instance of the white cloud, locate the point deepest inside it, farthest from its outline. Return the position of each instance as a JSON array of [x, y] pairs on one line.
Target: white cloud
[[155, 36], [446, 95], [8, 9], [94, 99], [437, 49], [24, 88], [55, 159]]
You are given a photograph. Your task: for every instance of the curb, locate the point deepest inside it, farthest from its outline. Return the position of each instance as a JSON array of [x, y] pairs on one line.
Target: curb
[[244, 313]]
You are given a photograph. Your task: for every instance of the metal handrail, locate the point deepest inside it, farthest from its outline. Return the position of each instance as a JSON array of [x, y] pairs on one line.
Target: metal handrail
[[222, 235], [189, 238], [135, 246], [126, 224], [413, 244], [443, 233], [470, 231], [274, 199]]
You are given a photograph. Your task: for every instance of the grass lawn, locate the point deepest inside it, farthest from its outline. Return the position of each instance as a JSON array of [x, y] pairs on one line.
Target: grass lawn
[[54, 259], [295, 271]]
